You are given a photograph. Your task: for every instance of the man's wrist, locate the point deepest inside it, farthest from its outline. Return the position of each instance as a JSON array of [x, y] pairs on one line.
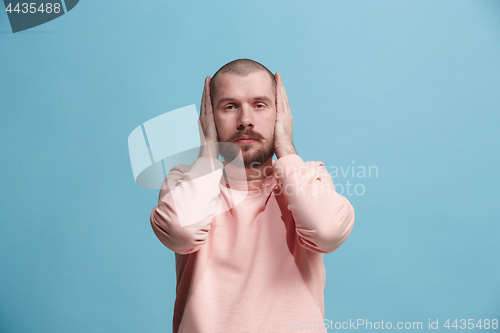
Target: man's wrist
[[285, 150], [210, 150]]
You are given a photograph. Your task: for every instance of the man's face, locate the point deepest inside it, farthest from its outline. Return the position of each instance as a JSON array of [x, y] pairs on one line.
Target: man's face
[[245, 114]]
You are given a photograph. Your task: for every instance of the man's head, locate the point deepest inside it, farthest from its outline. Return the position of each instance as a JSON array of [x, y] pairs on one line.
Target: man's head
[[243, 95], [240, 67]]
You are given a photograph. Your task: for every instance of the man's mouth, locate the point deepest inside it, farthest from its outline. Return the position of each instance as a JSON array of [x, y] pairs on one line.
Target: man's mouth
[[245, 140]]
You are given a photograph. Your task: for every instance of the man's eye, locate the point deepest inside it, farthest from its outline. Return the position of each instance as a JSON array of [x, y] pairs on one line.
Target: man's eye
[[260, 106], [229, 107]]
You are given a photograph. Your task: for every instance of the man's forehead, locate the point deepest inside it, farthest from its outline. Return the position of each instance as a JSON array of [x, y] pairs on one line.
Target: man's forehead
[[258, 82]]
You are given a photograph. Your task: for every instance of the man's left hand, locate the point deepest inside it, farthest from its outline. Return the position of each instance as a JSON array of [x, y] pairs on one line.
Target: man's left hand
[[283, 128]]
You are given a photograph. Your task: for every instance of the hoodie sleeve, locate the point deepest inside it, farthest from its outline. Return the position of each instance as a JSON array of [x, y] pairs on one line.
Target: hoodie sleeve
[[186, 204], [323, 218]]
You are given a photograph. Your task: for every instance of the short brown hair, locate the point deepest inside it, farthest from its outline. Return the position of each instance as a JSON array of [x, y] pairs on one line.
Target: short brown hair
[[241, 67]]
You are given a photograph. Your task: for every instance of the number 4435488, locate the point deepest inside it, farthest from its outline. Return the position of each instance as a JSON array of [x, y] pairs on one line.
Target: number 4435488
[[471, 324], [32, 8]]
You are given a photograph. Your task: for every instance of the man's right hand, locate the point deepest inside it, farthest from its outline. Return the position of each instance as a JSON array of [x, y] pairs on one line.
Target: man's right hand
[[209, 138]]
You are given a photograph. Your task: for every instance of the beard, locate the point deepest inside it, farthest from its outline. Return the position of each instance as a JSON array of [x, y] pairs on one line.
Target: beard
[[231, 151], [258, 158]]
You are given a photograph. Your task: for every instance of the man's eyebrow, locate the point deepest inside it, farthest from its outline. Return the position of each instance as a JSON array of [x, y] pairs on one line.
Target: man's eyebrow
[[258, 98], [262, 98], [227, 99]]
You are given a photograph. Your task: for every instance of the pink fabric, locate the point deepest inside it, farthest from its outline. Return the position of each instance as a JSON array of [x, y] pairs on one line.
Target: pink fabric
[[259, 266]]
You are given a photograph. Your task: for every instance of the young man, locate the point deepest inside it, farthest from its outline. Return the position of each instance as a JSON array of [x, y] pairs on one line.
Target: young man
[[256, 266]]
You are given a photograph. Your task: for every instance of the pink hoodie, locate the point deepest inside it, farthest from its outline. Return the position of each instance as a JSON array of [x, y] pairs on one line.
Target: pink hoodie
[[257, 267]]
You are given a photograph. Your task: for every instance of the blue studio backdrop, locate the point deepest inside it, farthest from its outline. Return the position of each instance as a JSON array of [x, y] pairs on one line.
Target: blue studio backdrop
[[408, 90]]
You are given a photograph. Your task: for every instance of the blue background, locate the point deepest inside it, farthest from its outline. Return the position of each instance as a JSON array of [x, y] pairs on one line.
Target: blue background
[[411, 87]]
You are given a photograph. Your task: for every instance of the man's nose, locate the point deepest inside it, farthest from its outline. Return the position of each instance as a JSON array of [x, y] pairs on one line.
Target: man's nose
[[245, 117]]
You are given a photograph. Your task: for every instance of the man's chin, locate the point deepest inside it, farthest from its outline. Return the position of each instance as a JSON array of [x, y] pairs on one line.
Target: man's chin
[[256, 159], [253, 156]]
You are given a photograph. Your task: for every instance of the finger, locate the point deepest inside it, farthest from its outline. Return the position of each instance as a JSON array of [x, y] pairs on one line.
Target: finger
[[285, 97], [208, 100], [202, 106], [202, 134], [279, 100]]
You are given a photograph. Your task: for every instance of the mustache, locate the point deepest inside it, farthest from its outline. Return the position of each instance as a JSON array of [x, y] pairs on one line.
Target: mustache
[[246, 132]]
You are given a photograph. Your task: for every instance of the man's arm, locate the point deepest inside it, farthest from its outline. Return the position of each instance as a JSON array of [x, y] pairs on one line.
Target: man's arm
[[323, 218], [188, 200], [186, 205]]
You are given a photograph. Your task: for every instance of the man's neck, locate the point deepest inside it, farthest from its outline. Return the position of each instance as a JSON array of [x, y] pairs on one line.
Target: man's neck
[[261, 171], [252, 173]]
